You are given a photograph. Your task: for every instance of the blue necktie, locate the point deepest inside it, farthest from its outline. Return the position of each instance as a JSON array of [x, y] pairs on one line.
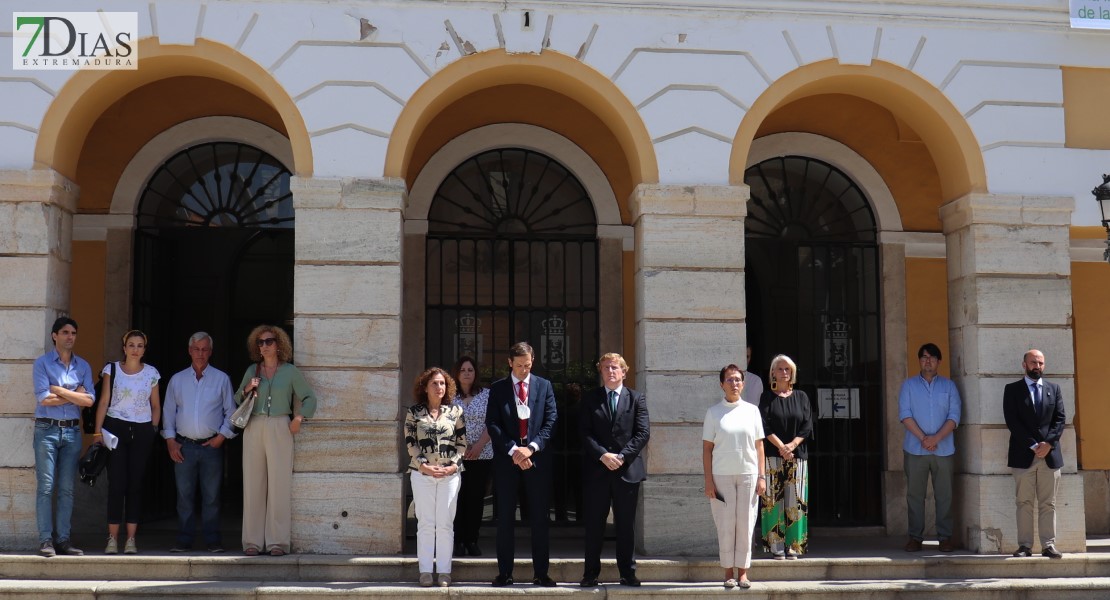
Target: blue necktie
[[1036, 398]]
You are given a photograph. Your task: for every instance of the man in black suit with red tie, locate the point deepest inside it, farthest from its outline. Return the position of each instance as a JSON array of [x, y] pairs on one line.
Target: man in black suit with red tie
[[1034, 413], [520, 418], [615, 429]]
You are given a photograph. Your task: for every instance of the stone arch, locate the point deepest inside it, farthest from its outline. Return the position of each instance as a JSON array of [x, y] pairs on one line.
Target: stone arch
[[87, 94], [840, 156], [907, 96], [517, 135], [184, 135], [549, 71]]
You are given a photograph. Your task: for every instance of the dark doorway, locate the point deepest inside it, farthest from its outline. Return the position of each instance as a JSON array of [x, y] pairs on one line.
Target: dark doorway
[[813, 294], [213, 252], [512, 256]]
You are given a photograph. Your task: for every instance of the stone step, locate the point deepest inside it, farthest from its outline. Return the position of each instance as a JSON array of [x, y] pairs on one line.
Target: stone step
[[382, 570], [1059, 588]]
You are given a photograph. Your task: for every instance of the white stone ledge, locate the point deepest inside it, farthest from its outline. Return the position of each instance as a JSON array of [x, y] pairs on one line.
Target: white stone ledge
[[691, 200], [1001, 209]]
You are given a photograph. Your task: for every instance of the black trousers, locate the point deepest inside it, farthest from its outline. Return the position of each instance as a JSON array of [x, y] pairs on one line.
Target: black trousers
[[507, 477], [472, 499], [601, 492], [127, 468]]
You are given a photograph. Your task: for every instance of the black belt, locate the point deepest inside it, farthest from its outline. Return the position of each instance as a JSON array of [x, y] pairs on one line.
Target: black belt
[[59, 423], [182, 438]]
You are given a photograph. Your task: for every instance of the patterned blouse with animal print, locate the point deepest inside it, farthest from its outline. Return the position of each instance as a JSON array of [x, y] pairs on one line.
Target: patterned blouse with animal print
[[439, 441]]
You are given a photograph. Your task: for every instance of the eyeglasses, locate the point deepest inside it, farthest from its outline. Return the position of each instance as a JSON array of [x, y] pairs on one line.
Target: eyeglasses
[[734, 380], [266, 342]]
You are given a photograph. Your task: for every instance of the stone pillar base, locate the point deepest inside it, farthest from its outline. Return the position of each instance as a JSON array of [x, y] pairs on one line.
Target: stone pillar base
[[676, 517], [989, 507]]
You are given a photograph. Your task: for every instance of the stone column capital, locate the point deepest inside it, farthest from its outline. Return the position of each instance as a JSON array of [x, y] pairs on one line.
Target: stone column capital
[[29, 185], [386, 193], [1006, 209], [690, 200]]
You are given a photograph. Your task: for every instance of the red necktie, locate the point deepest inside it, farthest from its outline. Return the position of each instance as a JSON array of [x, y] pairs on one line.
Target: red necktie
[[522, 397]]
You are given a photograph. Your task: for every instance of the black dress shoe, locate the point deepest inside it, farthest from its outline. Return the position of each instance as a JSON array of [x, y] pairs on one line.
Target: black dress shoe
[[460, 549], [67, 549], [544, 581], [1050, 551], [588, 582], [630, 581], [1023, 551], [502, 580], [472, 549]]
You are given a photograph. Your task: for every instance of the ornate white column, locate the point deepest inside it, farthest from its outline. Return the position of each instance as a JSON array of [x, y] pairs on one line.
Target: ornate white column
[[1008, 291], [689, 323]]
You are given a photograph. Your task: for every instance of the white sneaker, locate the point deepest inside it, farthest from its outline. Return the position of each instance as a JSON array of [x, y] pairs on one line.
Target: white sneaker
[[129, 547], [113, 546]]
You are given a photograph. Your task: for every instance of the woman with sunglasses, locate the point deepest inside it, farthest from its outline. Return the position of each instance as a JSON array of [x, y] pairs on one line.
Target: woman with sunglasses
[[284, 400], [132, 416]]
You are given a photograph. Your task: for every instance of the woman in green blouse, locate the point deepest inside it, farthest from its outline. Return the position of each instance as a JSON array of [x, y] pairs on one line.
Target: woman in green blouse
[[284, 401]]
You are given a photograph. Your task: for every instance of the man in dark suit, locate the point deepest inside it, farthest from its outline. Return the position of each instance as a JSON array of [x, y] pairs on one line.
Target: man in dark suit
[[615, 429], [1034, 412], [520, 418]]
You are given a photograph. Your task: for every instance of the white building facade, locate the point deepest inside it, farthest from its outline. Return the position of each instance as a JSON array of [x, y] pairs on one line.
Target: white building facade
[[840, 181]]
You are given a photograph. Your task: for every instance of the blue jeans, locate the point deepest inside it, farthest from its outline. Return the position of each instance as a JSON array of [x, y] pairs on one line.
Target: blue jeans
[[205, 465], [57, 450]]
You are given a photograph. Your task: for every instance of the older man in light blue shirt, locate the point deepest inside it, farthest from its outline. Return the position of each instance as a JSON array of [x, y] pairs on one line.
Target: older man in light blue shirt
[[929, 407], [197, 420], [62, 385]]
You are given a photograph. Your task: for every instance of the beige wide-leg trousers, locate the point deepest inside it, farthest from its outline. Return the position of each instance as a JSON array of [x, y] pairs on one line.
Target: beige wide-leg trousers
[[267, 483]]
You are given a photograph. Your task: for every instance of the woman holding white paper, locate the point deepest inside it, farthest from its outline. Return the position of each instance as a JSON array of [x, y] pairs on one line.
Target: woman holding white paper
[[131, 415]]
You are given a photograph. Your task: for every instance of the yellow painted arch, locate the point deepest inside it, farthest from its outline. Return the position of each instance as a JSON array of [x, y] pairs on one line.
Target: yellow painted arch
[[88, 94], [912, 99], [550, 70]]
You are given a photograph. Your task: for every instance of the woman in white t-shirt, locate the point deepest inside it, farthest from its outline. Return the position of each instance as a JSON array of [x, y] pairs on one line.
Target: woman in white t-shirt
[[733, 462], [131, 415]]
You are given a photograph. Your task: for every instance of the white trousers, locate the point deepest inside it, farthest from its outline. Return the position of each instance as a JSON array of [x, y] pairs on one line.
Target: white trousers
[[735, 518], [436, 500]]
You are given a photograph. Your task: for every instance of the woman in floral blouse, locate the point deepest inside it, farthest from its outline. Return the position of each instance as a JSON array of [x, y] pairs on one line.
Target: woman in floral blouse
[[435, 433]]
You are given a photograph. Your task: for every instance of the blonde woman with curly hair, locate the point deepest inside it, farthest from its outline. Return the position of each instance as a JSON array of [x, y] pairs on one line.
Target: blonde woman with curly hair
[[435, 434], [283, 403]]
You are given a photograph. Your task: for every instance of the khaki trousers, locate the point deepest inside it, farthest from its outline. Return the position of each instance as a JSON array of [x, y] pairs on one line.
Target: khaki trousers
[[267, 483], [1036, 485]]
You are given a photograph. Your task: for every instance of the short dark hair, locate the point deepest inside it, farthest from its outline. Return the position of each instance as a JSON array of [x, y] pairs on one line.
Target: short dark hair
[[731, 367], [62, 322], [931, 348], [521, 349]]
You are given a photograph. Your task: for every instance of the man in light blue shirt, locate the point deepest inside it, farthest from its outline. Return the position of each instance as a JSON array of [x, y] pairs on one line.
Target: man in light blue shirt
[[197, 420], [929, 407], [62, 384]]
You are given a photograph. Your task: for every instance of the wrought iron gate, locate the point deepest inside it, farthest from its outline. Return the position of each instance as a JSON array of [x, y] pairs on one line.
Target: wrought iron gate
[[813, 294], [512, 255]]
